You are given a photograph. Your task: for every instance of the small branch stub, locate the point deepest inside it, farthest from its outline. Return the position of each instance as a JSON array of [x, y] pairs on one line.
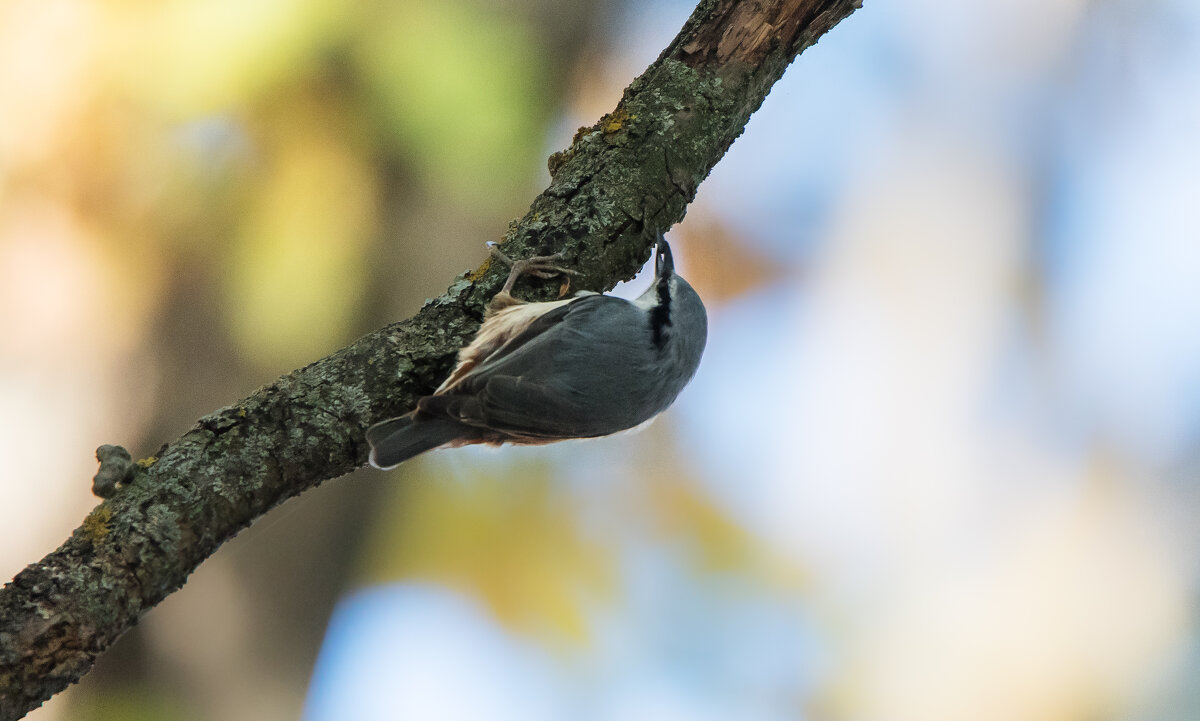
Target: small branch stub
[[116, 466]]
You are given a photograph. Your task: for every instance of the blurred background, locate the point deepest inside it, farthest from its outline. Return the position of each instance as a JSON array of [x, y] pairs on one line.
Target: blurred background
[[940, 460]]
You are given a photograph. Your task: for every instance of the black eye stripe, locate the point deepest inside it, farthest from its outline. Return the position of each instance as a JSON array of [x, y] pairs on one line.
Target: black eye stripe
[[660, 314]]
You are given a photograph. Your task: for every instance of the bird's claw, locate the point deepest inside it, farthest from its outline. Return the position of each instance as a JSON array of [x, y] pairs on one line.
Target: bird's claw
[[540, 266]]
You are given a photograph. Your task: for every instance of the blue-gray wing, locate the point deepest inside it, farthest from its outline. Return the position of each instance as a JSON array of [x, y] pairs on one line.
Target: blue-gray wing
[[579, 370]]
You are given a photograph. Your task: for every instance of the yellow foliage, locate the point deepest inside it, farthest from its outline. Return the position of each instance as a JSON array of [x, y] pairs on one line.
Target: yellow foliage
[[461, 87], [210, 55], [295, 281], [685, 511], [511, 541]]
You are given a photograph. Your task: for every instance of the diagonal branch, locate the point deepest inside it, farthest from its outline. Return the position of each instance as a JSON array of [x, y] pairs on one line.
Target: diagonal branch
[[635, 169]]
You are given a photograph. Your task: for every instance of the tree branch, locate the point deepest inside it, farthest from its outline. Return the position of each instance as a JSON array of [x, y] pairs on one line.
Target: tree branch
[[635, 169]]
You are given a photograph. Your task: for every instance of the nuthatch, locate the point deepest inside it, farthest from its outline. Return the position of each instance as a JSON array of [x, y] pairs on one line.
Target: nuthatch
[[535, 373]]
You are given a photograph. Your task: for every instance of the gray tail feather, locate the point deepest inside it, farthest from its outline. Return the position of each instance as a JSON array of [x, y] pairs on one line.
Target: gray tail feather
[[396, 440]]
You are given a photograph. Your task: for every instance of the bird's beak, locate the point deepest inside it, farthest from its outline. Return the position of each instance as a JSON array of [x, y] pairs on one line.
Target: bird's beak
[[664, 265]]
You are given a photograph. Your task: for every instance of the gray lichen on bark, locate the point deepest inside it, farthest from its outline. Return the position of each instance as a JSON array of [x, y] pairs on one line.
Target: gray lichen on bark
[[630, 174]]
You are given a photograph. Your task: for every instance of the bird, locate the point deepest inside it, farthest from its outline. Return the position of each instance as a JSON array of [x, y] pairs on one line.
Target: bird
[[538, 372]]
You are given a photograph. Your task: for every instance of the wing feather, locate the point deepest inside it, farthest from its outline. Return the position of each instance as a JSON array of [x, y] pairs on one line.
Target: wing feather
[[521, 392]]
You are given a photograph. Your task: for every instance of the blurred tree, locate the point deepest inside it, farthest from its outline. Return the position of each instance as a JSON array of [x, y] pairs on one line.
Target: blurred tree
[[638, 166]]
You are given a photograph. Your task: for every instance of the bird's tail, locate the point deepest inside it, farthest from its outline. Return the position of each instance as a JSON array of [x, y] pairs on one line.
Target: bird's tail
[[396, 440]]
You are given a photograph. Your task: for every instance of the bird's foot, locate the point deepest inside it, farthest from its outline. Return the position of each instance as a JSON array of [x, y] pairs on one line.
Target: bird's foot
[[541, 266]]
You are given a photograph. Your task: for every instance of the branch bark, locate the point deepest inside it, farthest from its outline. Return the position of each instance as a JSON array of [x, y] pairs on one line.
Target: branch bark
[[635, 169]]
